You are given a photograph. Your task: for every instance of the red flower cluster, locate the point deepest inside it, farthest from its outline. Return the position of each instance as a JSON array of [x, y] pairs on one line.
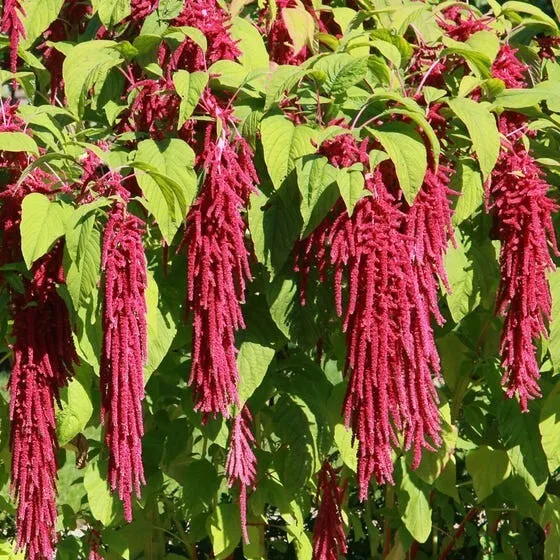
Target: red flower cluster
[[11, 24], [218, 267], [385, 294], [517, 198], [241, 464], [329, 538], [141, 9], [44, 356], [124, 351]]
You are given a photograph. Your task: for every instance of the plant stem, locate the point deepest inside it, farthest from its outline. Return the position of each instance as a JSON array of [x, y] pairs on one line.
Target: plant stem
[[389, 504]]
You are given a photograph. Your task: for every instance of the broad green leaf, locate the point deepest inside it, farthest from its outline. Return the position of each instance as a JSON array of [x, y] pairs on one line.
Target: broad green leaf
[[87, 66], [83, 246], [283, 143], [433, 463], [101, 502], [407, 152], [253, 360], [526, 8], [316, 179], [167, 180], [37, 15], [254, 55], [482, 129], [464, 295], [521, 436], [348, 452], [485, 42], [111, 12], [189, 87], [549, 428], [77, 407], [283, 79], [519, 98], [488, 468], [42, 223], [550, 522], [300, 25], [224, 529], [342, 72], [200, 484], [275, 226], [161, 328], [478, 62], [468, 181], [351, 186], [17, 142], [414, 505], [554, 338]]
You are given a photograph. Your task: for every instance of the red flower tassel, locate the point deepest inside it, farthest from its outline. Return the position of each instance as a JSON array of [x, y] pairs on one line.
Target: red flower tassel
[[218, 267], [124, 351], [241, 464], [12, 25], [44, 356], [329, 538]]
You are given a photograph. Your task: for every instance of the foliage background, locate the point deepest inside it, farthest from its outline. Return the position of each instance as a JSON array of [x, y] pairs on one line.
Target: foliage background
[[492, 491]]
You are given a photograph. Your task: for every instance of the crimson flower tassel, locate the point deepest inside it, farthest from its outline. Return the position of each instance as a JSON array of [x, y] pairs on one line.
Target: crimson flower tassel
[[241, 463], [517, 197], [94, 542], [44, 356], [391, 353], [12, 25], [124, 351], [218, 267], [523, 217], [329, 538]]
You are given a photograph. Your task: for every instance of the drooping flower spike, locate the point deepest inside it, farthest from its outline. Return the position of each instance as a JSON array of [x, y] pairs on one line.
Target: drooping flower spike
[[124, 351], [329, 537], [241, 464]]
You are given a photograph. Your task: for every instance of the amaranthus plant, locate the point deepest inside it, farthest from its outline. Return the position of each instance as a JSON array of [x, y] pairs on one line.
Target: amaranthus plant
[[278, 279]]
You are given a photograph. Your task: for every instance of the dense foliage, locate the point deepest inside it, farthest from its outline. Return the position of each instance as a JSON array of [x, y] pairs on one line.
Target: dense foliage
[[277, 279]]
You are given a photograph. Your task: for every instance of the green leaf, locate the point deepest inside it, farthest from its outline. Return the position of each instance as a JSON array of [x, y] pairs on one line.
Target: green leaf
[[482, 129], [161, 328], [37, 15], [351, 183], [485, 42], [111, 12], [348, 452], [189, 87], [17, 142], [526, 8], [434, 462], [488, 468], [468, 181], [83, 247], [254, 55], [316, 179], [283, 79], [274, 227], [549, 428], [253, 360], [342, 72], [100, 499], [519, 98], [224, 529], [407, 152], [87, 66], [283, 143], [77, 407], [554, 338], [550, 522], [414, 505], [300, 25], [520, 433], [167, 179], [465, 293], [42, 223]]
